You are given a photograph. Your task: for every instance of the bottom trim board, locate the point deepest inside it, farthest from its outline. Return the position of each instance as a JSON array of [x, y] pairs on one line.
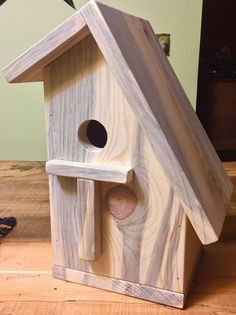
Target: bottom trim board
[[141, 291]]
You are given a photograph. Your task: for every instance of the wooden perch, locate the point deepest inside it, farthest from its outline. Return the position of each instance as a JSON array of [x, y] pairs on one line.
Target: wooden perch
[[105, 173]]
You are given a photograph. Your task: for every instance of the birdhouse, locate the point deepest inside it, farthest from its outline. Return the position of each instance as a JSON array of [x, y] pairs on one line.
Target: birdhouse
[[135, 184]]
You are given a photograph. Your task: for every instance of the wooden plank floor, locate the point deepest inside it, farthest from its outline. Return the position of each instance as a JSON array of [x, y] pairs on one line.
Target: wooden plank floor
[[26, 285]]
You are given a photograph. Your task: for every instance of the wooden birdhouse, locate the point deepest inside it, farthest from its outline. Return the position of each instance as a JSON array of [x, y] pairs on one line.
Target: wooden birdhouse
[[135, 184]]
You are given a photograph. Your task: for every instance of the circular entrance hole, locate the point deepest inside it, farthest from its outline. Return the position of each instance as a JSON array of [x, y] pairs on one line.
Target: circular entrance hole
[[92, 134]]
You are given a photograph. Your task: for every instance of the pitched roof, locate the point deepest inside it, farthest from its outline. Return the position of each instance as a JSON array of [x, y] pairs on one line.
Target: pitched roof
[[162, 108]]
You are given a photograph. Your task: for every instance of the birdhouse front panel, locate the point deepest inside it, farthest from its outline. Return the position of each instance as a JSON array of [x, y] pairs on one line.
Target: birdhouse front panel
[[132, 229]]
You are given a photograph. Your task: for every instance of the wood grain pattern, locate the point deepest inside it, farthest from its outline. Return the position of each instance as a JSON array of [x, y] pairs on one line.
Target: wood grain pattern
[[88, 203], [106, 173], [158, 101], [29, 66], [190, 162], [153, 237], [121, 201], [193, 250], [119, 286], [22, 183], [27, 286], [151, 129]]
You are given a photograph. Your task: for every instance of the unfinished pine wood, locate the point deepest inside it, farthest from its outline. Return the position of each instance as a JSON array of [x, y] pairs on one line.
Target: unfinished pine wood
[[152, 236], [29, 66], [190, 162], [88, 203], [193, 250], [137, 61], [119, 286], [27, 286], [176, 171], [121, 201], [106, 173]]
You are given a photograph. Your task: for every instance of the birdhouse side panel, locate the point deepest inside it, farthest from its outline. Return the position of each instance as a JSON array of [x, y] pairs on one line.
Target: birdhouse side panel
[[142, 222]]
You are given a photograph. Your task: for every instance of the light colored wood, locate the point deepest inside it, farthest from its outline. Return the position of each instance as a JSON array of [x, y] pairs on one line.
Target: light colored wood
[[193, 251], [26, 283], [88, 203], [30, 66], [105, 173], [188, 160], [124, 287], [159, 103], [17, 191], [25, 254], [121, 202], [152, 237], [151, 129]]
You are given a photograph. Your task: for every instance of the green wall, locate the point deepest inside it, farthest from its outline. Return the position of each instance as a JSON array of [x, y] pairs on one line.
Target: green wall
[[24, 22]]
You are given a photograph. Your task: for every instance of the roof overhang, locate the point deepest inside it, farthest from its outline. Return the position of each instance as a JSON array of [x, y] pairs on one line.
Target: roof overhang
[[30, 65]]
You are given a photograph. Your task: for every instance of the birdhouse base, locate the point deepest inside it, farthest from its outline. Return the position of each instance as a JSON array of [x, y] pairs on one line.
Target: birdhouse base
[[138, 290]]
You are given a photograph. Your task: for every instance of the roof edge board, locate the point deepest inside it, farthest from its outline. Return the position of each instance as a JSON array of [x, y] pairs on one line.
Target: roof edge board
[[29, 66]]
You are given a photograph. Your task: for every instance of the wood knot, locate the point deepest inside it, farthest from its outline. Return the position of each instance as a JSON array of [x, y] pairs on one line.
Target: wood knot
[[121, 201]]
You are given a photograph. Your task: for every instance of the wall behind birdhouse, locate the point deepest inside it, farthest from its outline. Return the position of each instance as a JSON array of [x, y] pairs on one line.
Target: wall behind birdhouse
[[24, 22]]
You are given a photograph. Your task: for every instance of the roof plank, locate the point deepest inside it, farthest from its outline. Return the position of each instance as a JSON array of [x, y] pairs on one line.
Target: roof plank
[[157, 98], [29, 66]]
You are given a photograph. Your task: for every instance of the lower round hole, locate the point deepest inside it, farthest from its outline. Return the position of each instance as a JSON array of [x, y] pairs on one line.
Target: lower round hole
[[92, 134], [121, 201]]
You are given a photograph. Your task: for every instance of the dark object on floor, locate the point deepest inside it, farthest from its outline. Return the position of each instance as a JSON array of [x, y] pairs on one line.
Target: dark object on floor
[[70, 2], [6, 225]]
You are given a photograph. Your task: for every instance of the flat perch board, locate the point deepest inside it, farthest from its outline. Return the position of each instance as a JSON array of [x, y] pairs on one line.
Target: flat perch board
[[106, 173]]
